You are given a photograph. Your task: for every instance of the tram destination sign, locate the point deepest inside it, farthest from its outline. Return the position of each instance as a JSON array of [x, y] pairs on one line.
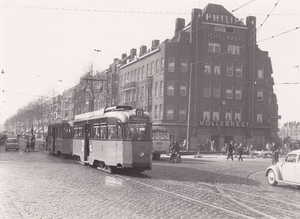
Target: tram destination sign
[[223, 124]]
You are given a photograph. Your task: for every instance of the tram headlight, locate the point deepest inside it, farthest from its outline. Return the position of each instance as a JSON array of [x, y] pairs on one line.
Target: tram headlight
[[142, 154]]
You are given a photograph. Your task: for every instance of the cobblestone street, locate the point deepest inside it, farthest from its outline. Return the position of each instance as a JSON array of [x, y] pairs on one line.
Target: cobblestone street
[[39, 185]]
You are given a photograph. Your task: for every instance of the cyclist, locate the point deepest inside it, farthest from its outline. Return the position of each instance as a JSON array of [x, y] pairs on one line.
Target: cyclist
[[174, 149]]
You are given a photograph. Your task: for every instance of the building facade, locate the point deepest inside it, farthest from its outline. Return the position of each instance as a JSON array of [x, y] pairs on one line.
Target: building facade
[[209, 81]]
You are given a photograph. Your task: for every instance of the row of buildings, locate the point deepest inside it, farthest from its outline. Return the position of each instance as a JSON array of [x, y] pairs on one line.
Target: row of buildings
[[208, 81]]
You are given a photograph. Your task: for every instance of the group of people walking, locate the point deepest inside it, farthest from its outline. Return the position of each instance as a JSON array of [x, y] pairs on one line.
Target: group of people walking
[[231, 147], [30, 143]]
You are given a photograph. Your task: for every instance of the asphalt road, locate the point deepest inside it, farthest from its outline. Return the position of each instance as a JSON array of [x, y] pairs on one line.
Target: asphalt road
[[38, 185]]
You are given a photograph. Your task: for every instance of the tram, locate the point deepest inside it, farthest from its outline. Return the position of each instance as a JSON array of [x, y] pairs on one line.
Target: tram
[[113, 138], [60, 138], [161, 141]]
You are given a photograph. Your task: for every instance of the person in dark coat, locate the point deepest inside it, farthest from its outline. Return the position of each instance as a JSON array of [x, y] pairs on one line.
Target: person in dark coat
[[175, 149], [240, 150], [230, 150], [27, 145]]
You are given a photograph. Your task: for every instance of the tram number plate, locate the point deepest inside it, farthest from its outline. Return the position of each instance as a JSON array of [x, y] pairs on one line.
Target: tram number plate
[[141, 147]]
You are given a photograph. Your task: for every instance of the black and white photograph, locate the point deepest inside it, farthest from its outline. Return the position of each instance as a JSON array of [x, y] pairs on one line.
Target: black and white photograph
[[147, 109]]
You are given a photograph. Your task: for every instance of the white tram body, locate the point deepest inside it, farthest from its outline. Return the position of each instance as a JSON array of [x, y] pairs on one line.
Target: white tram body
[[115, 137]]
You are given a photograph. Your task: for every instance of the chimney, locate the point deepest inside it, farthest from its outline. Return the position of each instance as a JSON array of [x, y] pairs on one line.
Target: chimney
[[124, 55], [143, 50], [179, 24], [132, 53], [155, 43]]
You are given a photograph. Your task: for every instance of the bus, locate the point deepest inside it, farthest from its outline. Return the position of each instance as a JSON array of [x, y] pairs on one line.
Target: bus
[[161, 141], [113, 138], [60, 138]]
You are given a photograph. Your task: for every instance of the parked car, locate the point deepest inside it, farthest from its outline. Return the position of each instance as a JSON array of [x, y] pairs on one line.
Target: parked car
[[287, 171], [12, 143]]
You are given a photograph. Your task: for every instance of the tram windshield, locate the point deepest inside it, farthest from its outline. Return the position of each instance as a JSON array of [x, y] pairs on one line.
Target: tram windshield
[[138, 131]]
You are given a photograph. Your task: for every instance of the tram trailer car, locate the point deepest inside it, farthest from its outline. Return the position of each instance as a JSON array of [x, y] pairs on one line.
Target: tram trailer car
[[60, 139], [114, 138]]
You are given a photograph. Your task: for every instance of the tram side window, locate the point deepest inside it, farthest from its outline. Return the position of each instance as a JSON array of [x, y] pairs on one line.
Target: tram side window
[[65, 131], [112, 131], [103, 131], [96, 131], [119, 127], [77, 131]]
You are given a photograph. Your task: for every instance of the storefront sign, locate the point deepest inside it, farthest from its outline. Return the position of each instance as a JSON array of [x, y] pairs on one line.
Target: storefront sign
[[226, 37], [224, 124], [218, 18]]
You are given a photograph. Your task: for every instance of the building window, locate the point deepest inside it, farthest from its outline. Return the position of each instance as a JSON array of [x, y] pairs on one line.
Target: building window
[[207, 68], [161, 111], [206, 113], [182, 112], [143, 72], [260, 72], [229, 93], [135, 74], [183, 88], [207, 90], [224, 29], [157, 67], [146, 91], [148, 70], [216, 114], [134, 95], [170, 111], [260, 94], [170, 88], [139, 73], [217, 68], [161, 88], [125, 78], [228, 114], [238, 114], [131, 76], [142, 93], [171, 64], [184, 65], [259, 117], [238, 92], [233, 49], [238, 69], [152, 68], [156, 89], [138, 94], [214, 47], [162, 65], [216, 90], [229, 69], [156, 112]]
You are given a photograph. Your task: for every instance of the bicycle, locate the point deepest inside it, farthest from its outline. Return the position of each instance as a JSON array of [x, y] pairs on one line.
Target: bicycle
[[175, 158], [42, 146]]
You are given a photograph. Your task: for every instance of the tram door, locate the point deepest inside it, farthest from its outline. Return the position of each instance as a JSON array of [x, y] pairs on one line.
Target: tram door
[[53, 139], [87, 135]]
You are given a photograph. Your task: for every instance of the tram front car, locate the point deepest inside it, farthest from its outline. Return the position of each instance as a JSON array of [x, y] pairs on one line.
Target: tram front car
[[120, 137]]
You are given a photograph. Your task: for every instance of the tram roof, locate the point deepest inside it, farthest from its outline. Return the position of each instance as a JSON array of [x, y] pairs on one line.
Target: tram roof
[[103, 113]]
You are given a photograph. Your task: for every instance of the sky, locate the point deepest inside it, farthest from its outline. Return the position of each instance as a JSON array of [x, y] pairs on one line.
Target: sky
[[45, 46]]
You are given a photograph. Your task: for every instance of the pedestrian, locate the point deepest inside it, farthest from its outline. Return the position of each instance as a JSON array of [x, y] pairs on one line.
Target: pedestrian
[[240, 150], [230, 150], [32, 143], [276, 156], [27, 145]]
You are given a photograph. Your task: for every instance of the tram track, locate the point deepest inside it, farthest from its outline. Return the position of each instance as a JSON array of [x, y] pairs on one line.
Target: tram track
[[175, 192], [214, 193]]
